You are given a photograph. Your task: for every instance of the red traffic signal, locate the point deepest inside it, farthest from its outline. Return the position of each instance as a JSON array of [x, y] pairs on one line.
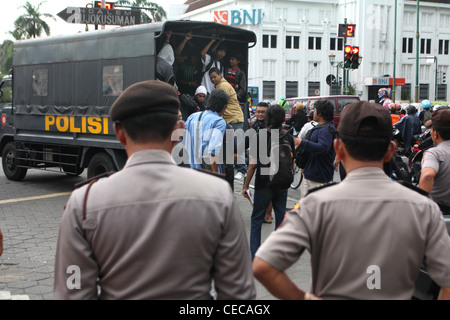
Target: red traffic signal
[[348, 52], [108, 5], [355, 50]]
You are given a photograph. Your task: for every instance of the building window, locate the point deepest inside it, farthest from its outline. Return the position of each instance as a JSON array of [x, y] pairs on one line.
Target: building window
[[313, 89], [291, 89], [269, 41], [406, 92], [268, 90], [425, 46], [443, 46], [442, 92], [292, 42], [315, 43], [424, 91], [407, 45], [336, 44]]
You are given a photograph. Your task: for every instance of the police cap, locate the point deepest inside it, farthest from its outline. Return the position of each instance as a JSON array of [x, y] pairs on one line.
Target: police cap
[[376, 119], [145, 97]]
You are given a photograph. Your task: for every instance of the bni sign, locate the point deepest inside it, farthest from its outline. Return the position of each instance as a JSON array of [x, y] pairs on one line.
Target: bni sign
[[99, 16], [238, 17]]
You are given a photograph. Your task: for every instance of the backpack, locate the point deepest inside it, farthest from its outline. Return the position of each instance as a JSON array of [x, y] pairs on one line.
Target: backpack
[[281, 169], [188, 105], [301, 156], [426, 115]]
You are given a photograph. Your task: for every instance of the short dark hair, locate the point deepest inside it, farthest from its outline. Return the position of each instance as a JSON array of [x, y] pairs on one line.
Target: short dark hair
[[153, 127], [217, 100], [275, 116], [216, 70], [365, 148], [440, 120], [325, 109], [236, 55], [263, 104]]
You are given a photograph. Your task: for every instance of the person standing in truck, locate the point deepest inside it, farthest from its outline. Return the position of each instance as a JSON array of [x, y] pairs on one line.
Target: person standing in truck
[[212, 61], [236, 77]]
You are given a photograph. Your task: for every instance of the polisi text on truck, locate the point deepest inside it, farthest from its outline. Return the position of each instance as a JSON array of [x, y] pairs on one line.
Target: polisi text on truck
[[73, 124]]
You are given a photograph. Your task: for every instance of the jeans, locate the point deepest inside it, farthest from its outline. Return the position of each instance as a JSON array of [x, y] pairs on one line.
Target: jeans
[[240, 165], [261, 202]]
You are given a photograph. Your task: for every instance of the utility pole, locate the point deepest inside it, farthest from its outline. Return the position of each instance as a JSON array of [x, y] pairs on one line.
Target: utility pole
[[417, 54], [395, 53]]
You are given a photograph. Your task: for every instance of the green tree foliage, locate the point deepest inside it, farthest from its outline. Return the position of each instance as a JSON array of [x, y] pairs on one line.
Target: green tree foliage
[[6, 57], [31, 24], [146, 15]]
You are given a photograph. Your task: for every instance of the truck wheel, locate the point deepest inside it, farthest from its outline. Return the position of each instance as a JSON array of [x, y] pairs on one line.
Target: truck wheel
[[9, 156], [72, 171], [99, 164]]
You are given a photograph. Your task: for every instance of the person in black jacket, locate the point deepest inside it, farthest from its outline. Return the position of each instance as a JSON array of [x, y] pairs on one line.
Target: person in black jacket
[[299, 119], [236, 77]]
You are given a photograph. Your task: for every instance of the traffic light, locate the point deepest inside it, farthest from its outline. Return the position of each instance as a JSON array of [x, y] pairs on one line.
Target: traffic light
[[348, 53], [108, 5], [444, 77], [355, 58]]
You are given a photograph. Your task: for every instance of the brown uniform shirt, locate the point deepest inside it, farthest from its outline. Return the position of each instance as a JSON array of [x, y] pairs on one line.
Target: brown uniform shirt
[[154, 231], [368, 237]]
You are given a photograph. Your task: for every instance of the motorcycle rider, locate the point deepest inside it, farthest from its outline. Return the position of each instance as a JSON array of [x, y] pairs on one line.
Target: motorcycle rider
[[409, 126], [436, 161], [394, 114], [425, 114]]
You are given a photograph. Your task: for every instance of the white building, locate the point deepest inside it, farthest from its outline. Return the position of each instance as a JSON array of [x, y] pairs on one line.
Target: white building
[[297, 37]]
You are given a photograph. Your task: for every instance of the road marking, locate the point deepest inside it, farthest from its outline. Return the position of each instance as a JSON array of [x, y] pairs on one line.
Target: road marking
[[54, 195]]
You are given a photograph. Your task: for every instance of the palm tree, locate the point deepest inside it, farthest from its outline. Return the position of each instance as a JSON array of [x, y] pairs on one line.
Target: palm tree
[[6, 56], [158, 14], [31, 24]]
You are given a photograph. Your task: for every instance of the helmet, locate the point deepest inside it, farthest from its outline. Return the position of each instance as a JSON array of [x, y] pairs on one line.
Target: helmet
[[426, 104], [398, 107], [387, 102], [438, 106], [392, 107], [411, 109]]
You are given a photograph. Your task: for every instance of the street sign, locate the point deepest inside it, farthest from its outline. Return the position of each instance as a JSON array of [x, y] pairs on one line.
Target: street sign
[[99, 16], [331, 79]]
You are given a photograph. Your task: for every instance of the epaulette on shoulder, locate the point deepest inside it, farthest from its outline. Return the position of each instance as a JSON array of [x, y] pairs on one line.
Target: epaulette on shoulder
[[409, 185], [321, 187], [87, 181]]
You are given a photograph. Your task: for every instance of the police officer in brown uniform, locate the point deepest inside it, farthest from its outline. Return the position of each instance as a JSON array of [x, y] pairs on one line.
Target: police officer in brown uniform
[[153, 230], [368, 236]]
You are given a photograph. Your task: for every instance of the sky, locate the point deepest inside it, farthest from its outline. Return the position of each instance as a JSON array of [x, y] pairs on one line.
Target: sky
[[10, 10]]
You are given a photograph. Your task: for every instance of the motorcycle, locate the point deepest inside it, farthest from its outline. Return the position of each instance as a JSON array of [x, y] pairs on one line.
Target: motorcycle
[[424, 143], [397, 168]]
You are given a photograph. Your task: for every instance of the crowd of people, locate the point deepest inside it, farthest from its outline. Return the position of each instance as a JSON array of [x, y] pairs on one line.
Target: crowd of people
[[155, 230]]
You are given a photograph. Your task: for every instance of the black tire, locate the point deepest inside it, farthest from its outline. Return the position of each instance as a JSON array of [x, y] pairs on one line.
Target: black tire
[[298, 177], [99, 164], [9, 157], [72, 171]]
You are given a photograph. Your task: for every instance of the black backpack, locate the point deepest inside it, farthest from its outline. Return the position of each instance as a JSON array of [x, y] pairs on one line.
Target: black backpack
[[281, 175], [301, 156]]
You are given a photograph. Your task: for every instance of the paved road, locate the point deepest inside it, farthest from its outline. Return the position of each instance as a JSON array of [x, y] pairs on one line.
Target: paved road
[[30, 212]]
